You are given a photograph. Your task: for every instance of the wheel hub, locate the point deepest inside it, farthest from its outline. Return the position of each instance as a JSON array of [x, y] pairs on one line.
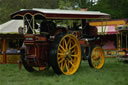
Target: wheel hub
[[67, 54]]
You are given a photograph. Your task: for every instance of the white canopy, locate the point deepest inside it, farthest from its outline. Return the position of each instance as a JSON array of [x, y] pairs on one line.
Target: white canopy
[[11, 26], [60, 11]]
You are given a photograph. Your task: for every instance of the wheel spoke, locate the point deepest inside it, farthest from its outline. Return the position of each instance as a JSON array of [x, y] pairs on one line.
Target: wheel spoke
[[60, 61], [69, 43], [73, 51], [63, 65], [74, 56], [97, 52], [69, 40], [71, 58], [62, 48], [65, 43], [71, 63], [95, 63], [73, 46], [67, 68], [61, 54]]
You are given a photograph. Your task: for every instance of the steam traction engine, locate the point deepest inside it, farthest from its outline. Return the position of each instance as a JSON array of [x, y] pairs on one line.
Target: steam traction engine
[[47, 44]]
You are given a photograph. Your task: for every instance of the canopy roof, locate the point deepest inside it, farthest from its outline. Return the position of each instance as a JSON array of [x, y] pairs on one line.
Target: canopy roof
[[59, 14]]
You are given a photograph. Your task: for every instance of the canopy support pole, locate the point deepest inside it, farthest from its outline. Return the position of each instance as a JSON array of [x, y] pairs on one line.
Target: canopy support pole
[[33, 19], [102, 23], [126, 41], [121, 40], [4, 51], [118, 41], [25, 29]]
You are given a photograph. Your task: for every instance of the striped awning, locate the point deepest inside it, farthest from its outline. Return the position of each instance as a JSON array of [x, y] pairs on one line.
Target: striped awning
[[106, 30]]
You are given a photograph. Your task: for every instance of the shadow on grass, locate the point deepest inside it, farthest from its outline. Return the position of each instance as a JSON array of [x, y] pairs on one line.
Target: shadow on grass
[[47, 72], [84, 67]]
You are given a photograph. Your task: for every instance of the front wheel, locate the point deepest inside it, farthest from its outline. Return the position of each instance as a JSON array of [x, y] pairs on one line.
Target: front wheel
[[65, 55], [96, 58]]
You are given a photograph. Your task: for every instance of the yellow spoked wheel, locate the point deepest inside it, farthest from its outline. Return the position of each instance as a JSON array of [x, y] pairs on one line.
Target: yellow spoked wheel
[[68, 55], [96, 59]]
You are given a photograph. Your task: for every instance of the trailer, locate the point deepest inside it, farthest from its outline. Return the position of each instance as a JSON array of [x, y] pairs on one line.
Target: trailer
[[60, 39]]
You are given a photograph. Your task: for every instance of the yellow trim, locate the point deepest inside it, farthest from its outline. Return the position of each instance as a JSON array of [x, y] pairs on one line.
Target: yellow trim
[[27, 14], [17, 15], [114, 22], [39, 14]]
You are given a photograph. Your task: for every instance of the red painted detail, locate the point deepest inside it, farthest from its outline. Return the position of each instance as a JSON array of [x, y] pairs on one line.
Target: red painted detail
[[30, 39], [77, 16], [37, 50], [82, 42], [37, 38]]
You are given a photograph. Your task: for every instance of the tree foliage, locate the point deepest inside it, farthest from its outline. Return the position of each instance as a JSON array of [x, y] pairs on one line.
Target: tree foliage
[[75, 4], [10, 6], [117, 8]]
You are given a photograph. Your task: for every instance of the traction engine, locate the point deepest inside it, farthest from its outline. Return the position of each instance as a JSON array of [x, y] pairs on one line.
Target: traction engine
[[47, 44]]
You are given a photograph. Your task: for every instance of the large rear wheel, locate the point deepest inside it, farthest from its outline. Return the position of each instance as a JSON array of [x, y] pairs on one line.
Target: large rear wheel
[[26, 65], [65, 56], [96, 58]]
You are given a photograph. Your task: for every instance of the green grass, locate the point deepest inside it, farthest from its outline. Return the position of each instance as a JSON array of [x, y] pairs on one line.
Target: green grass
[[113, 73]]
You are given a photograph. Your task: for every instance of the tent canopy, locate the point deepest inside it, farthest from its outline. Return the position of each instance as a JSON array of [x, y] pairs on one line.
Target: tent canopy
[[103, 30], [11, 27]]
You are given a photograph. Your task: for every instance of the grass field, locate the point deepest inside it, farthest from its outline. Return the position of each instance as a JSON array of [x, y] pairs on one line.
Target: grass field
[[113, 73]]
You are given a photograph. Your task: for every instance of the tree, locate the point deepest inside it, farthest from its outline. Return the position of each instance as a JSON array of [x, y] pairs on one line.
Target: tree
[[10, 6], [117, 8], [75, 4]]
